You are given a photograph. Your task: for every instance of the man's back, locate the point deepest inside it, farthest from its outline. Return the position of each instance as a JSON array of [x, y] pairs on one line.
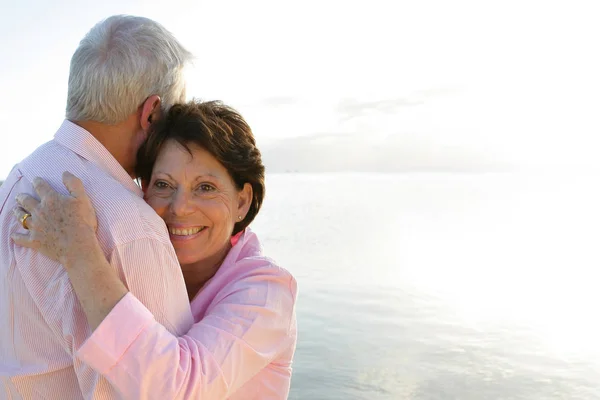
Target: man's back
[[41, 322]]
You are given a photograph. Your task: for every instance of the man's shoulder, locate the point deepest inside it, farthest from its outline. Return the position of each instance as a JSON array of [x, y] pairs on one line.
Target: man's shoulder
[[123, 216], [49, 161]]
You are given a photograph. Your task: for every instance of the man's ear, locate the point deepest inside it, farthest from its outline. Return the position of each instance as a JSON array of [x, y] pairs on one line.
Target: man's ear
[[150, 112]]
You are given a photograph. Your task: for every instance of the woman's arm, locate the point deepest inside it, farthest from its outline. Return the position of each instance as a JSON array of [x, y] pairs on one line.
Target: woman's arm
[[240, 335], [95, 282], [64, 229]]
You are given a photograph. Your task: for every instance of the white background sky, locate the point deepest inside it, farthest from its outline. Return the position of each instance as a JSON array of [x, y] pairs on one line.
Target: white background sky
[[514, 81]]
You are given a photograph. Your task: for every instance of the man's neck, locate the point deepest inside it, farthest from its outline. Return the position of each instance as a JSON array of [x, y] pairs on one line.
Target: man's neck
[[115, 138]]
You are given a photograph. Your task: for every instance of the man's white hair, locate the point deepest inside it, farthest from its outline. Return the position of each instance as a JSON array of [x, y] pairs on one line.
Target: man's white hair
[[121, 62]]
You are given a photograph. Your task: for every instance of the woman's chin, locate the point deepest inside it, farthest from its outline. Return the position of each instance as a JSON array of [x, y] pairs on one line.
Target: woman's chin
[[185, 258]]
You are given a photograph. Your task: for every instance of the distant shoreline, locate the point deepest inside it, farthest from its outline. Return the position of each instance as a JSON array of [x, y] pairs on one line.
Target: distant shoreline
[[408, 171], [447, 172]]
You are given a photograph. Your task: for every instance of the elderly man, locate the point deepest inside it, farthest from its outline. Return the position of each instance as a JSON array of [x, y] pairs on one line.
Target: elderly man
[[125, 72]]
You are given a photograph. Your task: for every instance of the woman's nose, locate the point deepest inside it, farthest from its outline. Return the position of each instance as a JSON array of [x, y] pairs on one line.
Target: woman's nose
[[181, 203]]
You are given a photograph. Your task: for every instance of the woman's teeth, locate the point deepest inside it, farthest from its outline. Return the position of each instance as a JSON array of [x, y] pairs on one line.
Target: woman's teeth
[[185, 232]]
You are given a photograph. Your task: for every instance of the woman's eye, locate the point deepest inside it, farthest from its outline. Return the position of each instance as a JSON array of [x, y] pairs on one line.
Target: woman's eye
[[206, 188], [161, 185]]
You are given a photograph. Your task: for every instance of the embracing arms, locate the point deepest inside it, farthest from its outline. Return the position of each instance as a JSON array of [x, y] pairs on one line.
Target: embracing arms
[[64, 229], [47, 297], [248, 325], [245, 331]]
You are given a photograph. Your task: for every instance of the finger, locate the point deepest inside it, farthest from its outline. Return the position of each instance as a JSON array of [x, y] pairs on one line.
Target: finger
[[73, 185], [29, 203], [25, 240], [20, 213], [42, 188]]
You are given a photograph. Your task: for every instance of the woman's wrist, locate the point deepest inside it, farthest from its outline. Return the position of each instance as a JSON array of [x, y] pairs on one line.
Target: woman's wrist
[[95, 282]]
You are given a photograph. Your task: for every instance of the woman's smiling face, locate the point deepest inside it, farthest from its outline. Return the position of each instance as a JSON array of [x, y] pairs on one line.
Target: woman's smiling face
[[198, 200]]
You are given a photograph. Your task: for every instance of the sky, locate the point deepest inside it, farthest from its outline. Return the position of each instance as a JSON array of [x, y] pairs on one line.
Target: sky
[[473, 85]]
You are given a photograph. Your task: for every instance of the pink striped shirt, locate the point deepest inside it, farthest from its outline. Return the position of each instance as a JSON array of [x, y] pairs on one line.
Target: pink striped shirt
[[41, 322], [241, 346]]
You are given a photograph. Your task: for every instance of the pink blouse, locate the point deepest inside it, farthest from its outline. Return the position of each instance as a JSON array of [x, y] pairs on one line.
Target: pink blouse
[[240, 347]]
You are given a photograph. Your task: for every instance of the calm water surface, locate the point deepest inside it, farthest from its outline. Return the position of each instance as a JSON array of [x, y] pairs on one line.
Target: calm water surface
[[440, 286]]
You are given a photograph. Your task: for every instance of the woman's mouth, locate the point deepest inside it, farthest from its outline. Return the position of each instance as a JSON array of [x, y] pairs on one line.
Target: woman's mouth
[[185, 233]]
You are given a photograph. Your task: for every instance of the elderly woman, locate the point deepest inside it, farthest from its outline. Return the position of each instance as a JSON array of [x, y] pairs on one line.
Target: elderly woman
[[202, 173]]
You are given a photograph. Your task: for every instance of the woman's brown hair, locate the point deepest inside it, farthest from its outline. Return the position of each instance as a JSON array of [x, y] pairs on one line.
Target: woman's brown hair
[[221, 131]]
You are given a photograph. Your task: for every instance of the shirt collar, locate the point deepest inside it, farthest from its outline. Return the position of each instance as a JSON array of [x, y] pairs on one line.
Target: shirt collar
[[84, 144]]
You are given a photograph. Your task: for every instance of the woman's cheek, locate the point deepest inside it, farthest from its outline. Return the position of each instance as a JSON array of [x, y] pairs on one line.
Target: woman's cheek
[[215, 209], [159, 204]]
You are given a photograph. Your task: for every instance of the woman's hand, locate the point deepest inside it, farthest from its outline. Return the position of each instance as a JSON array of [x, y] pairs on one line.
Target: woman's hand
[[60, 226], [64, 229]]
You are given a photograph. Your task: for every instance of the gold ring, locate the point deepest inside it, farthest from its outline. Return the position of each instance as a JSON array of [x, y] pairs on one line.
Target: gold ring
[[23, 220]]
